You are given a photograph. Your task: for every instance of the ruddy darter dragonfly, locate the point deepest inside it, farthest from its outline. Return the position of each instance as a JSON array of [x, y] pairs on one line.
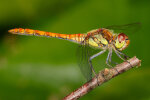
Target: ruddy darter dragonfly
[[102, 38]]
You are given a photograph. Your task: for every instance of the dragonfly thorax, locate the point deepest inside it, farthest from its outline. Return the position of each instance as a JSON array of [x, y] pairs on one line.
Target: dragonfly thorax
[[98, 41]]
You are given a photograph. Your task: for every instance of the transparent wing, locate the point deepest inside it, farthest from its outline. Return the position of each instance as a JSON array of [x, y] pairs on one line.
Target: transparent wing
[[83, 54], [127, 28]]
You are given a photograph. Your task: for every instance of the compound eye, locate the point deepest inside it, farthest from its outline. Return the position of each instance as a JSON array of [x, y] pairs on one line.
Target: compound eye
[[121, 37]]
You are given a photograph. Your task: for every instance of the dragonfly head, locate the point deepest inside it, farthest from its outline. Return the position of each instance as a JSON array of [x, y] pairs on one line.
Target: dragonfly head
[[121, 41]]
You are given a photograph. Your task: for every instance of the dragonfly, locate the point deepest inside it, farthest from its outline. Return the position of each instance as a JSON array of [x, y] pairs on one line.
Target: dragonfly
[[103, 39]]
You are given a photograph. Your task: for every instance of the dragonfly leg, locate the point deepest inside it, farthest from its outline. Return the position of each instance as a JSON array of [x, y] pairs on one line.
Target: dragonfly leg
[[116, 51], [125, 56], [119, 55], [109, 58], [95, 55], [92, 57], [90, 62]]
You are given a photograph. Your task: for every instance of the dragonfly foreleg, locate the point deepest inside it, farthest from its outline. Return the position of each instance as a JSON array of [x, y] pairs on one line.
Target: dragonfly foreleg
[[92, 57], [116, 51], [119, 55], [125, 56]]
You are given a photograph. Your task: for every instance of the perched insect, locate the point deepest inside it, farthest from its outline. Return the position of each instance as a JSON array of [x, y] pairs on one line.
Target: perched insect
[[102, 38]]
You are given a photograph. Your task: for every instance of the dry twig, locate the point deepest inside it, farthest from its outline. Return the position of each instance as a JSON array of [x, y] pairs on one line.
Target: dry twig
[[102, 77]]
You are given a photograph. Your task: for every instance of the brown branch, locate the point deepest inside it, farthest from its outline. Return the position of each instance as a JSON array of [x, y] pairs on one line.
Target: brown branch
[[102, 77]]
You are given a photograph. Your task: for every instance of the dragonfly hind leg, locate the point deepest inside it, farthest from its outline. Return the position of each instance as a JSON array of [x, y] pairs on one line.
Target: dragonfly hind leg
[[118, 54], [92, 57]]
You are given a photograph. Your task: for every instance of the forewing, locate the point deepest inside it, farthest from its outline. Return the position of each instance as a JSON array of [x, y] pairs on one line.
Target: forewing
[[127, 28]]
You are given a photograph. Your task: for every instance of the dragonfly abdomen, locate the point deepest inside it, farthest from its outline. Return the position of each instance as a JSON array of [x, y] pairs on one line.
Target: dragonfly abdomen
[[72, 37]]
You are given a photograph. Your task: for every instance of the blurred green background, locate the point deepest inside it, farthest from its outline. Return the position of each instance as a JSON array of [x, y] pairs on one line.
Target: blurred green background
[[40, 68]]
